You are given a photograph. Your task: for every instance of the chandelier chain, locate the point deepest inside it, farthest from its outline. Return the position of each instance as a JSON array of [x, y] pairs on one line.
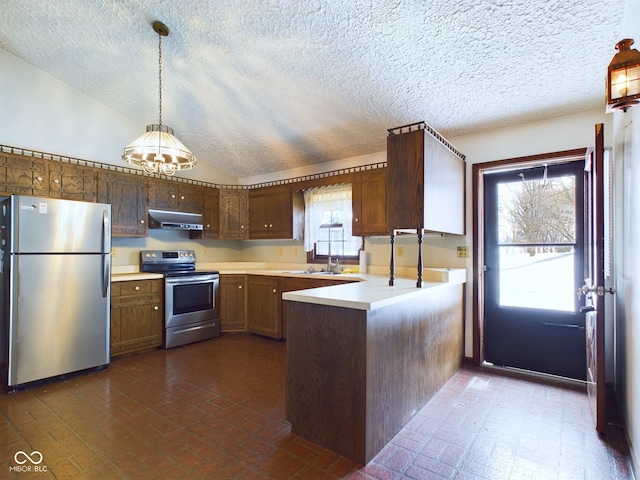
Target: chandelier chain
[[160, 78]]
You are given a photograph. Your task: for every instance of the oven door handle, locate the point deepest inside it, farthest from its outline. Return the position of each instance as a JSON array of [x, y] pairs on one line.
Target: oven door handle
[[191, 279]]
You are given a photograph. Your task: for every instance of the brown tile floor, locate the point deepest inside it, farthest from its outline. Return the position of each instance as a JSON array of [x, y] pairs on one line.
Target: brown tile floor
[[215, 410]]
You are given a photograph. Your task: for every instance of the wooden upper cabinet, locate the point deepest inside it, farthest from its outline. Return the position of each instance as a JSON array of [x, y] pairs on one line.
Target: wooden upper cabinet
[[23, 175], [425, 183], [234, 214], [369, 203], [171, 195], [127, 194], [210, 216], [162, 194], [191, 198], [276, 213], [72, 182]]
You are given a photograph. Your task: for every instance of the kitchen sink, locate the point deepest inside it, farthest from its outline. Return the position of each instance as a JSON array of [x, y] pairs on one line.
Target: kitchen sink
[[306, 272]]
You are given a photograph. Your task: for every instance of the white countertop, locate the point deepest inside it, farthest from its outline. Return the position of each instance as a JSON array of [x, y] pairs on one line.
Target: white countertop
[[364, 292], [372, 293], [126, 277]]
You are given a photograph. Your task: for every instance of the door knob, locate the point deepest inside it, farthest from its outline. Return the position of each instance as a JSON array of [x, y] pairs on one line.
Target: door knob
[[585, 289]]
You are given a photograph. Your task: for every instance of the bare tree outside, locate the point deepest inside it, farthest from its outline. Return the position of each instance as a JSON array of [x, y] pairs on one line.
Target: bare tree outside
[[537, 232], [538, 212]]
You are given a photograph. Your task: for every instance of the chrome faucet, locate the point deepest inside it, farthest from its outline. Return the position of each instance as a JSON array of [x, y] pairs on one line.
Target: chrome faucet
[[331, 267]]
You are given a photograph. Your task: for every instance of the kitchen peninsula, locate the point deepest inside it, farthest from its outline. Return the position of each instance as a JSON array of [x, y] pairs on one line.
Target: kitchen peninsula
[[363, 358]]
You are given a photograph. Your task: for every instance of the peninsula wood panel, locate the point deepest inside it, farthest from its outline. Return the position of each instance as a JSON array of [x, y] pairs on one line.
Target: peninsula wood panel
[[356, 377]]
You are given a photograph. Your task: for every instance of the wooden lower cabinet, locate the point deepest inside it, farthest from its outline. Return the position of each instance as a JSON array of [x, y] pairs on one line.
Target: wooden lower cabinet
[[233, 301], [136, 315], [263, 306]]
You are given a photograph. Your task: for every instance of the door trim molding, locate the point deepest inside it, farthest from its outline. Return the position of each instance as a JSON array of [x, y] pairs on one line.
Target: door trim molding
[[478, 170]]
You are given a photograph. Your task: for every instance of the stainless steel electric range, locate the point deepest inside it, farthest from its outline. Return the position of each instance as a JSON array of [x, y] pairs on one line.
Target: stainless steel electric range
[[191, 296]]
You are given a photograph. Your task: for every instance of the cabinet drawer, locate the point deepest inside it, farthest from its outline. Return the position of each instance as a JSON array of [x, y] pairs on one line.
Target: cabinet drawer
[[138, 299], [136, 287]]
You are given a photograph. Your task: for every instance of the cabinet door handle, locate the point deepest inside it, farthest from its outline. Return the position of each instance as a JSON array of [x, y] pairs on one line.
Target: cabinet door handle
[[265, 225], [56, 181], [271, 225], [239, 287], [274, 290], [208, 225], [173, 195], [156, 307], [142, 222], [137, 288], [39, 179], [356, 220], [181, 197]]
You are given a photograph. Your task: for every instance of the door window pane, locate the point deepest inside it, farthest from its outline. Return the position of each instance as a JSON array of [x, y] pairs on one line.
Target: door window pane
[[537, 277], [537, 211]]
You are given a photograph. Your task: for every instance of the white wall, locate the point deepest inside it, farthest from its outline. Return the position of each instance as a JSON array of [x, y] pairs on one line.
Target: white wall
[[626, 177], [38, 112], [627, 265]]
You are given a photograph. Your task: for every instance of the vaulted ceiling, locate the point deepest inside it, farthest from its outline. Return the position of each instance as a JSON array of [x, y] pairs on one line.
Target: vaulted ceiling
[[259, 86]]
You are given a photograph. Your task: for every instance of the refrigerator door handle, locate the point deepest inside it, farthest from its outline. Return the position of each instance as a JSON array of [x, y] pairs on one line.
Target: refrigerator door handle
[[106, 271], [106, 233], [106, 253]]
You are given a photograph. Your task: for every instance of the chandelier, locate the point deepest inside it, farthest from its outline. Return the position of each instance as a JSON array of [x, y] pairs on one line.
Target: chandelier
[[158, 150]]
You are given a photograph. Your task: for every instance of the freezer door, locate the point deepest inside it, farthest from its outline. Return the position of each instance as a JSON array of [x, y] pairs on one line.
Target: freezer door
[[46, 225], [59, 319]]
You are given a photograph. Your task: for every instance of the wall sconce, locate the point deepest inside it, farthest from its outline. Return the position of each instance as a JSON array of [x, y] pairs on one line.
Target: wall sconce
[[623, 77]]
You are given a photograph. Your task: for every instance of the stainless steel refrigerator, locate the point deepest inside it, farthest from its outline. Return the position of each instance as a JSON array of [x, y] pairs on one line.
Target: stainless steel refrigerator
[[55, 270]]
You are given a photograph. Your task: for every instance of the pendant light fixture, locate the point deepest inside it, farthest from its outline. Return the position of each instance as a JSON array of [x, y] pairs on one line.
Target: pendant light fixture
[[158, 151], [623, 77]]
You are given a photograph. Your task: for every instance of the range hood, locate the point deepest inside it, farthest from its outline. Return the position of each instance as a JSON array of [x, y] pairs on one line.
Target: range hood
[[168, 220]]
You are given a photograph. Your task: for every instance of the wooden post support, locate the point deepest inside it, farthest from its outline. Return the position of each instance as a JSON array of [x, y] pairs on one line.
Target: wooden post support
[[419, 283], [392, 265]]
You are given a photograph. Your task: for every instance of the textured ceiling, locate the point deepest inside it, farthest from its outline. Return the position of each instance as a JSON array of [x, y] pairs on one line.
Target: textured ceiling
[[259, 86]]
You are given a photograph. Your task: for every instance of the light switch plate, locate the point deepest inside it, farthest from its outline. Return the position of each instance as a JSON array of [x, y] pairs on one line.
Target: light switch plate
[[463, 252]]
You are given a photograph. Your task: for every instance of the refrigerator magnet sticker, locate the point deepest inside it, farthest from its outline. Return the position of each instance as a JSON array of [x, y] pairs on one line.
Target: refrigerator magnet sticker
[[42, 207]]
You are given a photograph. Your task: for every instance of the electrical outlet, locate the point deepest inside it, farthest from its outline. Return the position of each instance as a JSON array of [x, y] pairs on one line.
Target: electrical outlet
[[463, 252]]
